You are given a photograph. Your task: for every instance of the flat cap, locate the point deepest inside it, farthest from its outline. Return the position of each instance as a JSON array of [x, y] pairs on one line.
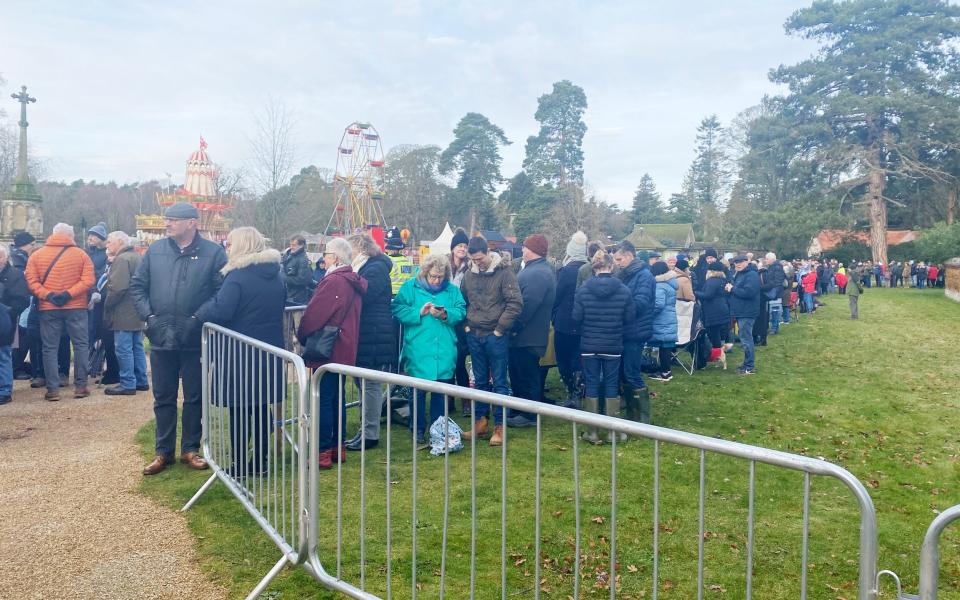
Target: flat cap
[[181, 210]]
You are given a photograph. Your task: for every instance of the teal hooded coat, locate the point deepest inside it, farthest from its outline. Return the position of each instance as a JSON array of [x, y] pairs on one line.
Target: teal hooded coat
[[429, 344]]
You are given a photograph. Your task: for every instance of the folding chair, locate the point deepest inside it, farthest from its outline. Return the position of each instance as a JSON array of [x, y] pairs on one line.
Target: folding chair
[[689, 327]]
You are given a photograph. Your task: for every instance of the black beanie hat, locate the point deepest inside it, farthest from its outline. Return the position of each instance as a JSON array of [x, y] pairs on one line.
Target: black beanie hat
[[715, 266], [459, 237], [710, 252]]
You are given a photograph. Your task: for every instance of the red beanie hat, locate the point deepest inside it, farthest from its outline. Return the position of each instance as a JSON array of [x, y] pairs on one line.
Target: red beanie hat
[[537, 244]]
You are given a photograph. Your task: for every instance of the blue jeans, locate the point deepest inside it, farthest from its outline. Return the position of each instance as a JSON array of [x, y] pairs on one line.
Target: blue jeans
[[602, 374], [746, 338], [437, 403], [808, 301], [776, 307], [632, 372], [489, 354], [130, 357], [6, 371]]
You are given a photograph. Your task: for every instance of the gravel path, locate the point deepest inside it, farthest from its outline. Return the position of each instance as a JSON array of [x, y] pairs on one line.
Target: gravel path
[[72, 524]]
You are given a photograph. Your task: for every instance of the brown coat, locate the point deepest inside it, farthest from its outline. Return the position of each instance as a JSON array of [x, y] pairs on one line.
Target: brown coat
[[73, 273], [684, 286], [119, 313]]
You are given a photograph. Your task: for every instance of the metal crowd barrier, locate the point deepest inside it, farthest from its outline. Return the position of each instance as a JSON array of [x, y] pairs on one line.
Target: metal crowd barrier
[[345, 545], [254, 391]]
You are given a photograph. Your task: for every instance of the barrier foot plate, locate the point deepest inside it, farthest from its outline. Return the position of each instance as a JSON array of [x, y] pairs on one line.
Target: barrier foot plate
[[203, 488], [268, 578]]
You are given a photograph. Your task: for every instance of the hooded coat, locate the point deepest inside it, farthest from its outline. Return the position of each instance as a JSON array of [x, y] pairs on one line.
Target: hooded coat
[[639, 280], [337, 301], [745, 295], [664, 324], [684, 286], [429, 344], [493, 297], [377, 345], [119, 313], [603, 309]]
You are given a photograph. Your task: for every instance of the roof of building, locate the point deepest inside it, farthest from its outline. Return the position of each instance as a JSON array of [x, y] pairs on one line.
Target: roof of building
[[828, 239]]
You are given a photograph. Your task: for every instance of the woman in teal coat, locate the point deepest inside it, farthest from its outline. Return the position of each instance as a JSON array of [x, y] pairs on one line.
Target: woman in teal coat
[[428, 307]]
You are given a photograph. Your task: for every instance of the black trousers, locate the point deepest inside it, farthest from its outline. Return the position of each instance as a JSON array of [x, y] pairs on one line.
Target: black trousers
[[762, 324], [524, 366], [246, 422], [717, 333], [168, 367]]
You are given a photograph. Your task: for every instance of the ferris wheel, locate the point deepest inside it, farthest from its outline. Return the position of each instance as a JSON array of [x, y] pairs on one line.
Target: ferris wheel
[[358, 183]]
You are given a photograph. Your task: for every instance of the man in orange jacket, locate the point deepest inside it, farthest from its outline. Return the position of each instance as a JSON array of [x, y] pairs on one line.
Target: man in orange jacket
[[60, 274]]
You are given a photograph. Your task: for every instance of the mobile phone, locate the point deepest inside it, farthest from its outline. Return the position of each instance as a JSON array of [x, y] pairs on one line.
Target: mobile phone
[[439, 307]]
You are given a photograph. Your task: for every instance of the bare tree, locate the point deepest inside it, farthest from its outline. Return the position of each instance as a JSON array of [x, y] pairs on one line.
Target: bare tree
[[273, 155]]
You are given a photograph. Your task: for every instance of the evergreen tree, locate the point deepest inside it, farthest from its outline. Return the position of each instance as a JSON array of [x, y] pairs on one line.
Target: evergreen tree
[[555, 154], [876, 91], [646, 202], [474, 154]]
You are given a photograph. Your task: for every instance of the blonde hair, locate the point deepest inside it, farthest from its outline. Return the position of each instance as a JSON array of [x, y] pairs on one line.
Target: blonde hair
[[362, 243], [434, 262], [242, 242], [601, 260]]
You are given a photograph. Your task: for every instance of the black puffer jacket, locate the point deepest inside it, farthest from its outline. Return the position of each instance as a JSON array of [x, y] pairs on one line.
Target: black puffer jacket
[[377, 345], [642, 285], [14, 296], [170, 287], [602, 307], [713, 300], [563, 302], [298, 276]]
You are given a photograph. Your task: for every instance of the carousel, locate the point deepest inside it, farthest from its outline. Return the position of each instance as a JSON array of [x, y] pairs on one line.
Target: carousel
[[199, 189]]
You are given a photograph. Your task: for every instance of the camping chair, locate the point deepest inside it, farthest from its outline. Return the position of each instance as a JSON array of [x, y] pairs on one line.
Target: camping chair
[[689, 328], [794, 305]]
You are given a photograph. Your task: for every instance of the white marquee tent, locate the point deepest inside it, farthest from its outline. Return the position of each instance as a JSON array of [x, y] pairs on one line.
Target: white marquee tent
[[441, 245]]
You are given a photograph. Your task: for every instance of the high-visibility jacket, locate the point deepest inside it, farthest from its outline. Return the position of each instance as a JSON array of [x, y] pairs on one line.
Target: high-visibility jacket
[[402, 271]]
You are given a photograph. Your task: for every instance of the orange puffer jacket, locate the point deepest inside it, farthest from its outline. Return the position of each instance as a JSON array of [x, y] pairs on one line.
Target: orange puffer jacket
[[73, 273]]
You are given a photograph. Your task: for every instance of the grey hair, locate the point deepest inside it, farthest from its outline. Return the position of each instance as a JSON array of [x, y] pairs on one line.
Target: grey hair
[[121, 236], [434, 262], [771, 256], [342, 249], [364, 244], [64, 229]]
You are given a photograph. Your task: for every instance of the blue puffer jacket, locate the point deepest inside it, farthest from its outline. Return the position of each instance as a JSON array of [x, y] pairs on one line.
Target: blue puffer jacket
[[665, 310], [639, 280], [744, 296], [602, 308], [713, 300]]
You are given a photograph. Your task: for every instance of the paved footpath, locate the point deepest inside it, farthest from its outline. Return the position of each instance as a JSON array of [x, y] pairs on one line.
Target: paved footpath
[[72, 524]]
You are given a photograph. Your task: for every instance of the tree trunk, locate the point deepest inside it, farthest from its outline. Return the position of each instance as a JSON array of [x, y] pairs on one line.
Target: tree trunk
[[877, 209], [951, 204]]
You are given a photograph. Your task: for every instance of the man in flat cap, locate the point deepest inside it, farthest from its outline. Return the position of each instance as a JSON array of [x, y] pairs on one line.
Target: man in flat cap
[[177, 276]]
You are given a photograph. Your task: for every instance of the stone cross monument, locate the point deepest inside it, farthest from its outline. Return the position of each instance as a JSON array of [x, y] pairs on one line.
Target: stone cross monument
[[20, 209]]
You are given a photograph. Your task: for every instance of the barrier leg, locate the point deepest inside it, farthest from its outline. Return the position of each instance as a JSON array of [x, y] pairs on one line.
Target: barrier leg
[[268, 578], [203, 488]]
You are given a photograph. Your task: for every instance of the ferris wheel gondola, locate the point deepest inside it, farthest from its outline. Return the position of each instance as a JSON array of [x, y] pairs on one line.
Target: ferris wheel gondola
[[358, 183]]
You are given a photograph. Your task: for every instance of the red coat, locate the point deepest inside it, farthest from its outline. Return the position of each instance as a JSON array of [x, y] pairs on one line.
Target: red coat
[[932, 273], [336, 301], [809, 282], [841, 280]]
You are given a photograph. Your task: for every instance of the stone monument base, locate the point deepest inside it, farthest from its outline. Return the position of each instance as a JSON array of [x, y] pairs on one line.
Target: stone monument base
[[952, 279]]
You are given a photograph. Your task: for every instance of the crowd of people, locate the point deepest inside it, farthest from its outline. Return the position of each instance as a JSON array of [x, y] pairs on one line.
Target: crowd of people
[[610, 318]]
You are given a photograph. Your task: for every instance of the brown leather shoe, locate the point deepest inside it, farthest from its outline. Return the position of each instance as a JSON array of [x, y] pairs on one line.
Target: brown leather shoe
[[479, 429], [158, 464], [52, 395], [497, 438], [194, 460], [81, 392]]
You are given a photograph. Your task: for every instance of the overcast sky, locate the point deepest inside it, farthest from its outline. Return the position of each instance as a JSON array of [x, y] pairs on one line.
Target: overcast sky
[[125, 89]]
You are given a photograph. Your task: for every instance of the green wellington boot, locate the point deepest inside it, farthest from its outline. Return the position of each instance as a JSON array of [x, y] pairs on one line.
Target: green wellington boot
[[630, 403], [591, 405], [613, 410], [642, 399]]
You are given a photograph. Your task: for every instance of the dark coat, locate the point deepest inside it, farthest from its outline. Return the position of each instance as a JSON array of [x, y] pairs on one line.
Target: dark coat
[[603, 308], [378, 329], [250, 302], [493, 297], [337, 301], [119, 313], [99, 258], [298, 276], [171, 285], [14, 297], [19, 258], [563, 302], [640, 281], [745, 295], [713, 301], [538, 288], [772, 282]]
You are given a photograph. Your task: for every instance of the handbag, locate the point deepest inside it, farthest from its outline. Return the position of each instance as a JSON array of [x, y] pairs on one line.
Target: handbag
[[319, 346]]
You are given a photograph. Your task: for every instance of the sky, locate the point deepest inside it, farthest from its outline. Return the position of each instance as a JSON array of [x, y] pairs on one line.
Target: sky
[[126, 89]]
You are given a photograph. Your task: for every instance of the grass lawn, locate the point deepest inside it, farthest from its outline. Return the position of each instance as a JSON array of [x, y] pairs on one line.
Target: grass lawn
[[878, 396]]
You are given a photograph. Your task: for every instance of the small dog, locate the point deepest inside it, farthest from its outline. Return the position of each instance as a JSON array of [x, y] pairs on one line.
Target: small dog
[[719, 356]]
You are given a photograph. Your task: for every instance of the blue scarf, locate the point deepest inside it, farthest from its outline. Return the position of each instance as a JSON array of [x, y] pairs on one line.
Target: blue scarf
[[436, 289]]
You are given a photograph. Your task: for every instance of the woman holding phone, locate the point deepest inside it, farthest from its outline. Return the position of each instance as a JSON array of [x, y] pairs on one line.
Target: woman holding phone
[[429, 307]]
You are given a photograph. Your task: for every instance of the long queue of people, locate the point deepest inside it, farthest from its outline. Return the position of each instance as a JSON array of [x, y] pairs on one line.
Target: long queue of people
[[605, 313]]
